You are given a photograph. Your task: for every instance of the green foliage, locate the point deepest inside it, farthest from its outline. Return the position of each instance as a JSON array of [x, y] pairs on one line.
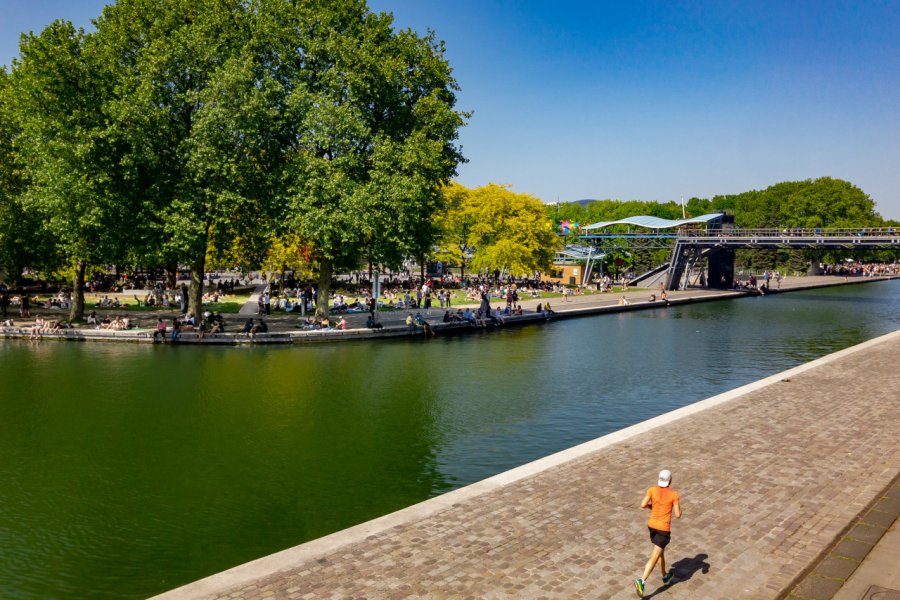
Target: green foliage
[[58, 87], [505, 231], [368, 124], [230, 130], [21, 243], [822, 202]]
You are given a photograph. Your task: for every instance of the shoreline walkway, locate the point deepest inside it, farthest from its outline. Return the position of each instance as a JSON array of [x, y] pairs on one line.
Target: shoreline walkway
[[773, 476], [284, 329]]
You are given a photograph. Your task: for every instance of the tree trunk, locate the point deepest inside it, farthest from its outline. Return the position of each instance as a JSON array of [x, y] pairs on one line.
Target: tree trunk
[[422, 269], [77, 309], [16, 274], [171, 275], [326, 270], [196, 290]]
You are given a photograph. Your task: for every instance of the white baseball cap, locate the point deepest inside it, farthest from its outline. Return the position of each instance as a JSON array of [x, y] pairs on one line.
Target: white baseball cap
[[665, 478]]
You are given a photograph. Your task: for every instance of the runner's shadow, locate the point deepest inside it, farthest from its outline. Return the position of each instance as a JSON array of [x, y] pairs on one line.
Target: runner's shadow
[[684, 570]]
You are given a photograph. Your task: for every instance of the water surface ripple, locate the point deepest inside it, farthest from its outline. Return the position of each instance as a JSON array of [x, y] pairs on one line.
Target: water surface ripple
[[126, 470]]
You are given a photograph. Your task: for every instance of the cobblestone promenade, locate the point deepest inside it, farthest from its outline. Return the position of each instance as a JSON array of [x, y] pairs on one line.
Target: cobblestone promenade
[[769, 475]]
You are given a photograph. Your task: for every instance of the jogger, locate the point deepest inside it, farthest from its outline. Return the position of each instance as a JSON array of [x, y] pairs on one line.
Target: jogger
[[663, 502]]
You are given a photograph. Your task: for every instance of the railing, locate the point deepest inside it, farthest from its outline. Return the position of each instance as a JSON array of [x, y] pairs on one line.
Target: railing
[[792, 232]]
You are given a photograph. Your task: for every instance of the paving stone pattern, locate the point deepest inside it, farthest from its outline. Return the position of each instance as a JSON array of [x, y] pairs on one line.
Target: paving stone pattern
[[768, 482], [839, 562]]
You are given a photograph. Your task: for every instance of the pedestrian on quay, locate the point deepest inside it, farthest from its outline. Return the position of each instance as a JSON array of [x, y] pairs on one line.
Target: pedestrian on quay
[[663, 502]]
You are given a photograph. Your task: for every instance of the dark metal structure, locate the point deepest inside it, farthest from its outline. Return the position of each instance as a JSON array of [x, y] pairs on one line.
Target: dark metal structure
[[714, 238]]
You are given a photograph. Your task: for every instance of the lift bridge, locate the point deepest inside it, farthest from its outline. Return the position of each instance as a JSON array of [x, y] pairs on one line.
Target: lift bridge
[[712, 238]]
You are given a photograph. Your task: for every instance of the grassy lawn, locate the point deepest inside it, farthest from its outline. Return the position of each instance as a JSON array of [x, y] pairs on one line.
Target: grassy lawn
[[459, 299], [228, 304]]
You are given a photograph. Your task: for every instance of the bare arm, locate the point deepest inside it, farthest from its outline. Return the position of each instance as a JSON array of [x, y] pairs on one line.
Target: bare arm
[[645, 503], [676, 510]]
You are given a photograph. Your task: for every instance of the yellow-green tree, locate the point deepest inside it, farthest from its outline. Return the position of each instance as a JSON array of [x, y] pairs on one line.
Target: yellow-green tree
[[289, 252], [504, 232], [455, 227]]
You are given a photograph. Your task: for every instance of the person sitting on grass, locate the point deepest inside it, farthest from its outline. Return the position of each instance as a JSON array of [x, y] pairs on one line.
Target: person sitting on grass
[[92, 318]]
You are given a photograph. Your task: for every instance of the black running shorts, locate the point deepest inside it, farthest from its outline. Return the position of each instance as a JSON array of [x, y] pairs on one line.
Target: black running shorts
[[660, 538]]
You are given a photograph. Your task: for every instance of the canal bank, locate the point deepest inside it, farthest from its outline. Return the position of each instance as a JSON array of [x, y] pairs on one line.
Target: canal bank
[[771, 474], [284, 329]]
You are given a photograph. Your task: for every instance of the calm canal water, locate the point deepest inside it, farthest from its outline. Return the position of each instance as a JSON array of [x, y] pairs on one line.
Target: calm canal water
[[128, 470]]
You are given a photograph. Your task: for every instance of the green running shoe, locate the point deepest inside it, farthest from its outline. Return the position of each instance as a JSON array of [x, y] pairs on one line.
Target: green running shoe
[[639, 584], [668, 576]]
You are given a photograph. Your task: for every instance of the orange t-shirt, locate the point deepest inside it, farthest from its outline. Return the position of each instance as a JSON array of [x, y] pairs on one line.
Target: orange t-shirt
[[661, 511]]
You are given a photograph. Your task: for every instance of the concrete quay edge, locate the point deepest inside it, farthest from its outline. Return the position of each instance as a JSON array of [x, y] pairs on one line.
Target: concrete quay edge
[[291, 557], [145, 336]]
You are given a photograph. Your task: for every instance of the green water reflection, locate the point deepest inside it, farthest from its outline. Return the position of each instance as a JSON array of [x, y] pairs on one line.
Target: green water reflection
[[127, 470]]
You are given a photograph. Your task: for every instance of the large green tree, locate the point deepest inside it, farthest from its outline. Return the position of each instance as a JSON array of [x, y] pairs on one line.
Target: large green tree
[[59, 90], [177, 117], [19, 228], [368, 128]]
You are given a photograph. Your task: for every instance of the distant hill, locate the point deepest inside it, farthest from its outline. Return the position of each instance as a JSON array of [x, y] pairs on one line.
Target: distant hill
[[581, 202]]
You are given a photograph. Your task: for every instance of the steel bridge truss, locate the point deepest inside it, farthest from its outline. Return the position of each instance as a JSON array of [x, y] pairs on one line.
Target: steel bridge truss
[[690, 246]]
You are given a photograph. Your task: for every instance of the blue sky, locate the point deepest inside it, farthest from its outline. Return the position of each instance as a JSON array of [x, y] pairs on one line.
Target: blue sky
[[651, 100]]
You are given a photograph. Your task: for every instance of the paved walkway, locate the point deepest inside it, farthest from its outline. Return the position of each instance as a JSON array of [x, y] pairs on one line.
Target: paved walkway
[[251, 306], [770, 475]]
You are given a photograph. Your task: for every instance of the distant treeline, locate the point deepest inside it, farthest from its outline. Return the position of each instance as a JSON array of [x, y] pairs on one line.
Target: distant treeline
[[823, 202]]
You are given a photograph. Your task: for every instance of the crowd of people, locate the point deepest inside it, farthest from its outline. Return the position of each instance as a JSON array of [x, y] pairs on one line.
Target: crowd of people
[[485, 301], [853, 269]]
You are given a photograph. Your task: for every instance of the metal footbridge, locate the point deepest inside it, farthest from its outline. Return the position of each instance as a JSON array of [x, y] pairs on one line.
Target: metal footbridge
[[714, 237]]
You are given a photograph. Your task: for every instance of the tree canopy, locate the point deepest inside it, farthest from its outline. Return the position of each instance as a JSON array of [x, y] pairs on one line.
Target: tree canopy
[[822, 202], [505, 232], [189, 129], [274, 132]]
